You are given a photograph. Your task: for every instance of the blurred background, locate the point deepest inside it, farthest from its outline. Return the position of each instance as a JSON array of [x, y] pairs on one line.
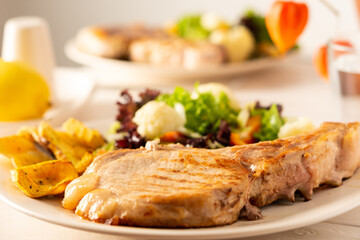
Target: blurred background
[[66, 17]]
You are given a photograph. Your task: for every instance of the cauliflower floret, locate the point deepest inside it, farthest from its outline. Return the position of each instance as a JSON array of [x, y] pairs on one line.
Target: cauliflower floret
[[216, 89], [156, 118], [211, 22], [296, 127], [238, 42]]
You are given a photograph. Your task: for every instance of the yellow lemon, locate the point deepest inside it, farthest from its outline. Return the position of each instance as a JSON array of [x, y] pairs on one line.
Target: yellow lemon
[[24, 93]]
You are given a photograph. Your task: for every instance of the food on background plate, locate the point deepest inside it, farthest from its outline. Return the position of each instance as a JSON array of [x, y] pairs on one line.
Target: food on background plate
[[177, 52], [208, 117], [197, 40], [175, 186], [24, 94], [256, 24], [113, 41], [230, 39], [237, 41], [46, 160]]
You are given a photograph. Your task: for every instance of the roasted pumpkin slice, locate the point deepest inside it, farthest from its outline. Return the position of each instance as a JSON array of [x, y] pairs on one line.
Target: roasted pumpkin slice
[[85, 161], [63, 146], [22, 150], [86, 136], [45, 178]]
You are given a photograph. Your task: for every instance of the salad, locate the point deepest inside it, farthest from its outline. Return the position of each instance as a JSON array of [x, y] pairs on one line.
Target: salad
[[207, 117], [246, 39]]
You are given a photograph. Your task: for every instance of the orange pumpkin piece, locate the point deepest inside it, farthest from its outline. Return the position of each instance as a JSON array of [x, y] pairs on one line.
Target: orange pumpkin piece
[[285, 22]]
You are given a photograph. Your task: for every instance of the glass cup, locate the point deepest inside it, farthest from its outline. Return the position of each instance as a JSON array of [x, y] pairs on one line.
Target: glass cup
[[344, 72]]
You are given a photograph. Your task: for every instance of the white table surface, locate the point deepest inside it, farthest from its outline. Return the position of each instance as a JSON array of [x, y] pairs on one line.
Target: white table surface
[[295, 85]]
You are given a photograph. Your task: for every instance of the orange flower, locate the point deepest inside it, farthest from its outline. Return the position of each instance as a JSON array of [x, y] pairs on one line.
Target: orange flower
[[285, 22], [320, 60]]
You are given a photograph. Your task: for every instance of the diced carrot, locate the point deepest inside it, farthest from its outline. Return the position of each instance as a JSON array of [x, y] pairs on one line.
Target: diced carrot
[[254, 123], [172, 137], [235, 139], [246, 136]]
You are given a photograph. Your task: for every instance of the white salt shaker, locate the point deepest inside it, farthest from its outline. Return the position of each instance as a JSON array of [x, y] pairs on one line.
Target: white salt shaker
[[27, 39]]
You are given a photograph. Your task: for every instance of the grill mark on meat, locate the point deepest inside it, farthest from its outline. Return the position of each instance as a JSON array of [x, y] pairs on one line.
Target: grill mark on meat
[[218, 163], [187, 184], [205, 176], [172, 182], [167, 182], [179, 180], [186, 187]]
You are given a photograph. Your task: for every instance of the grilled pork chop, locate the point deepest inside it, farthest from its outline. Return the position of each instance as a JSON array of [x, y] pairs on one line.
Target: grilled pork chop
[[177, 52], [169, 186], [173, 186], [113, 41], [323, 156], [148, 45]]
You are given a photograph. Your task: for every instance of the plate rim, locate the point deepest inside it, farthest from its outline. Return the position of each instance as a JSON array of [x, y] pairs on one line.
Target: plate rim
[[86, 59]]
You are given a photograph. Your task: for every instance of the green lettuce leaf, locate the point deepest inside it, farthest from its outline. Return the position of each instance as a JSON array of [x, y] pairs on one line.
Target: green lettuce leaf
[[190, 27], [203, 114], [271, 121]]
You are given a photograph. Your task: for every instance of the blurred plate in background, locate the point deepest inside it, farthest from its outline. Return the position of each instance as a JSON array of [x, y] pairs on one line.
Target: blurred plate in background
[[114, 72]]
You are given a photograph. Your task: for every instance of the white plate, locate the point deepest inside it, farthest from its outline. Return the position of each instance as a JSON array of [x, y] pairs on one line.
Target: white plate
[[279, 216], [114, 72], [72, 89]]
